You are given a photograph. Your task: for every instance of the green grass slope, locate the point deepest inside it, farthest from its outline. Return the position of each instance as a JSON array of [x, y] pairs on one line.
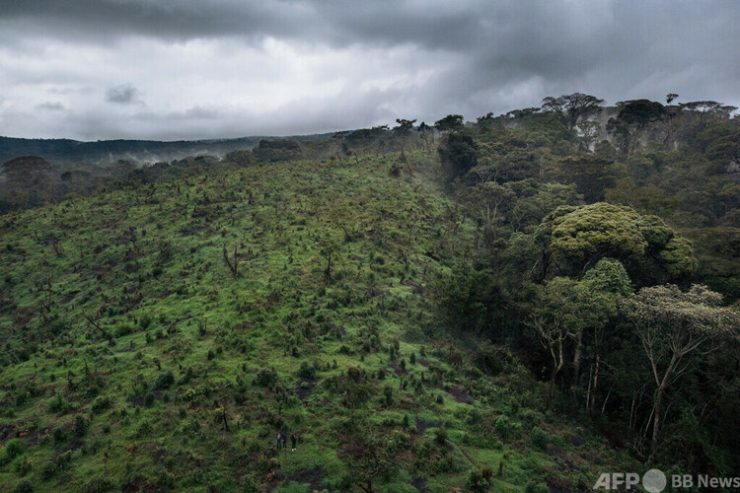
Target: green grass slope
[[127, 339]]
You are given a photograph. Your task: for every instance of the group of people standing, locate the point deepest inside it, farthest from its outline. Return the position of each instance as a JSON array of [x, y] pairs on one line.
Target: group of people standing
[[282, 440]]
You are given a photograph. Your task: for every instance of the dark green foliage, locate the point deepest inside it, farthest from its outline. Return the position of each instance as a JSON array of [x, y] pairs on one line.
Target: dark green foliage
[[462, 295], [13, 448], [266, 377], [24, 486], [459, 154], [450, 122], [536, 487], [573, 106], [80, 426], [98, 486], [640, 112], [277, 150], [539, 437], [164, 380], [477, 482], [440, 436], [306, 371]]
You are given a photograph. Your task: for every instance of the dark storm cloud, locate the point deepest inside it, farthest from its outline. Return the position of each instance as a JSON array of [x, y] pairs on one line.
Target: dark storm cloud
[[123, 94], [469, 57]]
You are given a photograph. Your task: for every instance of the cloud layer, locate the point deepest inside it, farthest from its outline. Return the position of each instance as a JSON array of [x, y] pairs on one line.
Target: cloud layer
[[186, 69]]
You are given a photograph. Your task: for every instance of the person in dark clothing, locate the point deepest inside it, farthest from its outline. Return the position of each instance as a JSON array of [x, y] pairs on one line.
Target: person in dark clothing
[[280, 440], [293, 441]]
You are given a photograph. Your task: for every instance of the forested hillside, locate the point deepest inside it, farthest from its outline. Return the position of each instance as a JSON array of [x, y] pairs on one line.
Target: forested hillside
[[513, 305]]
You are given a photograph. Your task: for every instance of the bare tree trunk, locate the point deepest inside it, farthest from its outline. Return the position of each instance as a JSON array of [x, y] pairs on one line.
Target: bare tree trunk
[[577, 361], [657, 407], [557, 366], [233, 267], [606, 399], [588, 390], [596, 382]]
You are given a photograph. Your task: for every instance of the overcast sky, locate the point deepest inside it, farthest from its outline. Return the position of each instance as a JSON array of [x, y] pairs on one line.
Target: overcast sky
[[183, 69]]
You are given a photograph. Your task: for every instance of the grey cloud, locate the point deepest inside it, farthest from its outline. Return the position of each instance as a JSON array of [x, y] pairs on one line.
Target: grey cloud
[[482, 56], [51, 106], [123, 94]]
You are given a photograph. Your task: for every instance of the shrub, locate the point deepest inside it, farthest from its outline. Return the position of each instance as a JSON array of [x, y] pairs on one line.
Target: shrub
[[98, 486], [22, 466], [164, 380], [477, 482], [440, 436], [59, 435], [80, 426], [539, 437], [24, 486], [266, 377], [249, 485], [354, 374], [100, 404], [388, 396], [306, 371], [536, 487], [506, 428], [13, 449], [58, 405]]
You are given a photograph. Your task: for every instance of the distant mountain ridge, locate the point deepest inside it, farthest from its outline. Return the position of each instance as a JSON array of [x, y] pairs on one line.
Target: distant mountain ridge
[[110, 151]]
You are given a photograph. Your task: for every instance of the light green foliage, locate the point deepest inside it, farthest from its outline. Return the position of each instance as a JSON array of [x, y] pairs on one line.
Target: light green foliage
[[135, 359], [608, 276], [666, 311], [601, 229], [577, 237]]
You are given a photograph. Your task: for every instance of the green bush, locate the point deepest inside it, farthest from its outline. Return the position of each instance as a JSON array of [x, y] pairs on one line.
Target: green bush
[[266, 377], [536, 487], [100, 404], [80, 426], [306, 371], [22, 466], [98, 486], [539, 437], [477, 482], [440, 436], [507, 428], [58, 405], [13, 449], [388, 396], [24, 486], [164, 380]]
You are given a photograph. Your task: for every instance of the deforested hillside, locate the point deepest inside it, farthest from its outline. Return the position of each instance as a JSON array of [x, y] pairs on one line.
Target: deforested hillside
[[157, 339], [518, 304]]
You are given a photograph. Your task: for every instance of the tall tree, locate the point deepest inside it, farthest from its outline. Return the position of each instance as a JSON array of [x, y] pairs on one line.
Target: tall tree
[[573, 106], [370, 453], [674, 326], [450, 122], [458, 154], [576, 237]]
